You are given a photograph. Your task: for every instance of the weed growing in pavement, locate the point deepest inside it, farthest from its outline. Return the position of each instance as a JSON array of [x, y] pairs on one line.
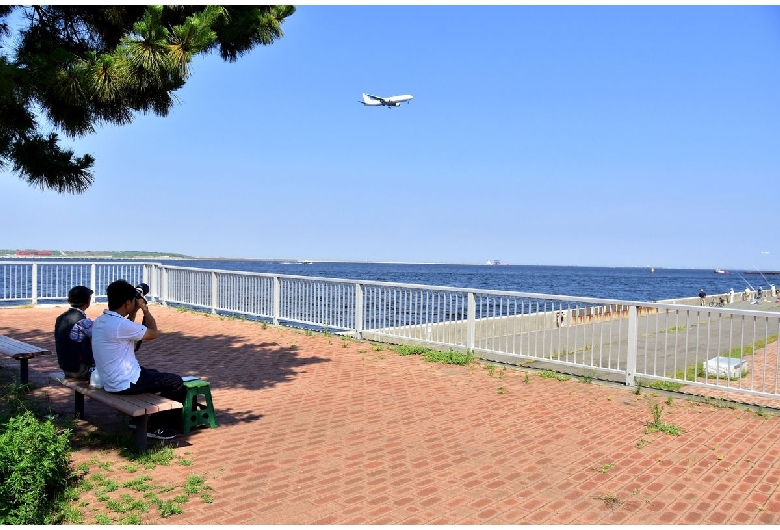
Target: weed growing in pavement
[[662, 385], [658, 426], [435, 356], [526, 379], [501, 390], [670, 401], [638, 389], [450, 357], [587, 379], [263, 325], [549, 374], [491, 368], [605, 468], [761, 411], [610, 500], [501, 372], [720, 403], [406, 349], [641, 444], [308, 333], [377, 347]]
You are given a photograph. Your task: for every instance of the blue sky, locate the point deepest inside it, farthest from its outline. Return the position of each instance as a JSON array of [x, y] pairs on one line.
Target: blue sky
[[553, 135]]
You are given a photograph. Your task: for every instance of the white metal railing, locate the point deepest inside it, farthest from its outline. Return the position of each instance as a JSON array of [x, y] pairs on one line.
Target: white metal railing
[[50, 281], [610, 339]]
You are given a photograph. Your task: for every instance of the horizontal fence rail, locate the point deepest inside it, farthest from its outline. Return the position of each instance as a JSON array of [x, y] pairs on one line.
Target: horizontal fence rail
[[667, 345]]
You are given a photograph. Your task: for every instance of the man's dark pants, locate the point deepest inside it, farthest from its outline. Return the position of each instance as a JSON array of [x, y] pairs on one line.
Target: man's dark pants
[[168, 386]]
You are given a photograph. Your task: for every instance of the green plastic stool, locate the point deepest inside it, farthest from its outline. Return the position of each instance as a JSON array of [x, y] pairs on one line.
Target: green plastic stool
[[194, 413]]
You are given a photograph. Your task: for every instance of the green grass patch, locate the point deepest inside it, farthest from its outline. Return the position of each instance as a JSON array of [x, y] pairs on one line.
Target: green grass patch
[[158, 456], [674, 329], [549, 374], [739, 352], [662, 385], [450, 357], [435, 356], [407, 349]]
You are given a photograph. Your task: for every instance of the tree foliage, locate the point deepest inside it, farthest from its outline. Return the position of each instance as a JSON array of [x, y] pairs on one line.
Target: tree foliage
[[72, 68]]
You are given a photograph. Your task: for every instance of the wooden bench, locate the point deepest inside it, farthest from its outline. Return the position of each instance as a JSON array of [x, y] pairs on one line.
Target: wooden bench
[[138, 406], [22, 352]]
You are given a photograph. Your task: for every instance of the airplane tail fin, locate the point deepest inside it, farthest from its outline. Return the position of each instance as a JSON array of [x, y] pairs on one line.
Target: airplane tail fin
[[367, 100]]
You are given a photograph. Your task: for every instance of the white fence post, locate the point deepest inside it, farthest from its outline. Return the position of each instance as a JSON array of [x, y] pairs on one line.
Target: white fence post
[[471, 320], [214, 293], [358, 311], [277, 300], [92, 281], [154, 284], [633, 338], [34, 295], [164, 279]]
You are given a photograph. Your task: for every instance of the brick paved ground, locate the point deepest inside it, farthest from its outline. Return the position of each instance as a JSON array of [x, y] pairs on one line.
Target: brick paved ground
[[315, 430]]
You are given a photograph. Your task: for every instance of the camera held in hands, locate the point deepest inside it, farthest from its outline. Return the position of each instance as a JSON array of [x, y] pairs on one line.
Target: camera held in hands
[[141, 290]]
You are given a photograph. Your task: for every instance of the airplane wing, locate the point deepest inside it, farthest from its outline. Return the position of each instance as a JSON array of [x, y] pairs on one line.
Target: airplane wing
[[383, 100]]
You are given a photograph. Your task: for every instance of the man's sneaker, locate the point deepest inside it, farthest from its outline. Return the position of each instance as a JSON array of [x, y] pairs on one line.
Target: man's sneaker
[[161, 434]]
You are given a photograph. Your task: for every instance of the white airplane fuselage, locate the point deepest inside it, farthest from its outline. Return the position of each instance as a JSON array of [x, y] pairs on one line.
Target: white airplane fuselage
[[392, 101]]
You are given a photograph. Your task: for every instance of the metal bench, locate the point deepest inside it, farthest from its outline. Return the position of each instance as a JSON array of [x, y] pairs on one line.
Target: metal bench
[[138, 406], [22, 352]]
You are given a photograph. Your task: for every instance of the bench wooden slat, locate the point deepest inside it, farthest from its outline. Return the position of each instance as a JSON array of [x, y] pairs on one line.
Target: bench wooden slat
[[18, 349], [132, 405], [22, 352]]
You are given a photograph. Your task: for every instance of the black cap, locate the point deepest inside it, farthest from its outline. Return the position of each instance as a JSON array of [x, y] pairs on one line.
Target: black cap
[[79, 295]]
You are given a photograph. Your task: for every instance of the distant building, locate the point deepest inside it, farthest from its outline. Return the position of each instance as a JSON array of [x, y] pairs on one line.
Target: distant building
[[25, 253]]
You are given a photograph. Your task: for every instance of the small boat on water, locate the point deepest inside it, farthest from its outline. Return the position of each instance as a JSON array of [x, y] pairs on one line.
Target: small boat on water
[[720, 271]]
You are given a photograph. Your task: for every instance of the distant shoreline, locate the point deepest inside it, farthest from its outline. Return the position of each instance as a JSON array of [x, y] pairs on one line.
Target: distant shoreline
[[108, 255]]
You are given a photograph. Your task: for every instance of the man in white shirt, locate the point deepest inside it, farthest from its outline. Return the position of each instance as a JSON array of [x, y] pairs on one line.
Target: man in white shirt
[[114, 335]]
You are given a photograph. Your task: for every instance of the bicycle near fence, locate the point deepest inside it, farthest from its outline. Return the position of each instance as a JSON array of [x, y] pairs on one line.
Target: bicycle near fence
[[717, 301]]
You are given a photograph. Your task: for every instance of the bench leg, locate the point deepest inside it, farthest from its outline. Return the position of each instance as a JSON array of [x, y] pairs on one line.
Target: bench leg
[[79, 413], [140, 433], [23, 371]]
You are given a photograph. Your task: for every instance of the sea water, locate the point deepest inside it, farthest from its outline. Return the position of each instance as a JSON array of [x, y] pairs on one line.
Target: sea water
[[622, 283]]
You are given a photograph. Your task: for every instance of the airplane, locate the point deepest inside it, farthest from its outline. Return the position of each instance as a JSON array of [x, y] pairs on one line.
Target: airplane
[[392, 101]]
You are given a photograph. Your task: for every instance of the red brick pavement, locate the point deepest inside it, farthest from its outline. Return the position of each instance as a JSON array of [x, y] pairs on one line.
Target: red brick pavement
[[316, 430]]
